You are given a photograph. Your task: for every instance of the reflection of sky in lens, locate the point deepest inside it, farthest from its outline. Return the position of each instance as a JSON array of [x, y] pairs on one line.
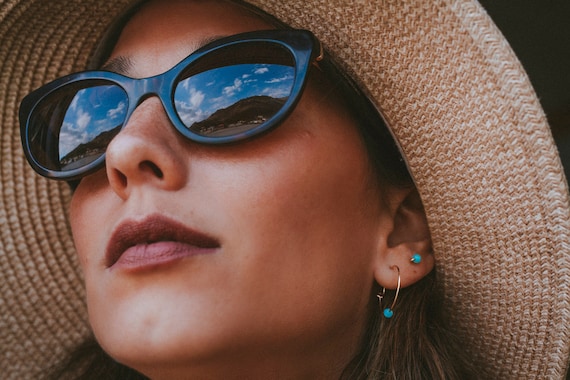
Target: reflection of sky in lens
[[92, 111], [203, 94], [102, 108]]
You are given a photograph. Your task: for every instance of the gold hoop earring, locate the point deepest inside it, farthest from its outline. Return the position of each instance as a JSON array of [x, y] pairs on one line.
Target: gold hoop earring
[[389, 311]]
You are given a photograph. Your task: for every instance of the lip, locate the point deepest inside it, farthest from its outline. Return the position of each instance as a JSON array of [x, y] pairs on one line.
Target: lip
[[154, 241]]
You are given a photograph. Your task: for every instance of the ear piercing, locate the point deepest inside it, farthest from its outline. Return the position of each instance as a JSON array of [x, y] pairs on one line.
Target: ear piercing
[[389, 311], [416, 258]]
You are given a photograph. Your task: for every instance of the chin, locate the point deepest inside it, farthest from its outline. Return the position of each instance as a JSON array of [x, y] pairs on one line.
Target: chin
[[152, 356], [149, 337]]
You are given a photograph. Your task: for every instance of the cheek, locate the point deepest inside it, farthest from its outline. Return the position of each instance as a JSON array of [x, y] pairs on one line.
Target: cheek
[[306, 219], [90, 219]]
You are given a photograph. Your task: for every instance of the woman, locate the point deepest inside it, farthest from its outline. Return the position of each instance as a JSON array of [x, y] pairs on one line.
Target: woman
[[265, 256]]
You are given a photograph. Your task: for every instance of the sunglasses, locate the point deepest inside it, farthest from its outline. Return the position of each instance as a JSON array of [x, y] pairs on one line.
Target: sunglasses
[[227, 91]]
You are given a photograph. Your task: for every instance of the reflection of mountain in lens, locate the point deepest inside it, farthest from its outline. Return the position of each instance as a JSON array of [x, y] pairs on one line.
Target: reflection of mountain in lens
[[88, 152], [239, 117]]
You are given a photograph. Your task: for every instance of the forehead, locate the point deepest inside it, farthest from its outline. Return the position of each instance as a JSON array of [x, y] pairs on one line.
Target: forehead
[[162, 33]]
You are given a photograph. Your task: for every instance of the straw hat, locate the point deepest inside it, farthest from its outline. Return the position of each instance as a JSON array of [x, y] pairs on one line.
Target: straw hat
[[457, 100]]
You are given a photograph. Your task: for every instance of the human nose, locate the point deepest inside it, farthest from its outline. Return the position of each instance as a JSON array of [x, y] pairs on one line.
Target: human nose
[[147, 151]]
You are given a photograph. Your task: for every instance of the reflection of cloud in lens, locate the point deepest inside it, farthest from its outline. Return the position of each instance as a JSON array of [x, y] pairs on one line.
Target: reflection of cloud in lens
[[196, 98], [278, 92], [73, 105], [231, 90], [69, 139], [82, 120], [118, 111], [279, 80], [189, 114], [219, 102], [188, 103], [261, 70], [190, 97]]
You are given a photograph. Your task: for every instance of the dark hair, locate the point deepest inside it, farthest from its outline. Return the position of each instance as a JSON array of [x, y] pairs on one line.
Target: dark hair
[[414, 344]]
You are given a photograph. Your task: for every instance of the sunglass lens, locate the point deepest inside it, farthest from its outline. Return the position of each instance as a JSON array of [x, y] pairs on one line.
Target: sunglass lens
[[72, 126], [238, 93]]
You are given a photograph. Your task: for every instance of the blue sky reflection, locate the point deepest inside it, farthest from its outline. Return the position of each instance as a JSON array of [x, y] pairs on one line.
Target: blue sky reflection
[[92, 111], [201, 95]]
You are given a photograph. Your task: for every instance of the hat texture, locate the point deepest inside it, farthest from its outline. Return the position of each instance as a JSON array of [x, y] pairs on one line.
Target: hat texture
[[457, 101]]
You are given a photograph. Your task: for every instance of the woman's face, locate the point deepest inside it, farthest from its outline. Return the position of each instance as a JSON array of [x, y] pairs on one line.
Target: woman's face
[[258, 256]]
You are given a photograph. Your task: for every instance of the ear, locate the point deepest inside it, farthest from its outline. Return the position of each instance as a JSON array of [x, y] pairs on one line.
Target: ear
[[404, 234]]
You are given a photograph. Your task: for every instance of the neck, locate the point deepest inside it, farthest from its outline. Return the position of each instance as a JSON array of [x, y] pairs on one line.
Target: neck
[[327, 361]]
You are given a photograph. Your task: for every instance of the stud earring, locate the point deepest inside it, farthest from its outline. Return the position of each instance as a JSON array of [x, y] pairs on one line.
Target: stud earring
[[416, 258], [389, 311]]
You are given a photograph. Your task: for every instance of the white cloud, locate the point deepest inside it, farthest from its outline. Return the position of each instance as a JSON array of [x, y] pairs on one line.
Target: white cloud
[[196, 98], [83, 120], [277, 92], [230, 90], [69, 139], [73, 105], [261, 70], [113, 113], [278, 80]]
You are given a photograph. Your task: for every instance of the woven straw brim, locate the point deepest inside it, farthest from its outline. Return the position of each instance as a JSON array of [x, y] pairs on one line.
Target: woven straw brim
[[458, 102]]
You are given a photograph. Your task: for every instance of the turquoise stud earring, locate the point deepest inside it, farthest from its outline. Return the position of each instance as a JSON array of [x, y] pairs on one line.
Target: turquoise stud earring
[[416, 258]]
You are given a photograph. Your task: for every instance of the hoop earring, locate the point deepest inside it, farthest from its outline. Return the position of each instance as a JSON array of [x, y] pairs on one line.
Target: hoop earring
[[389, 311]]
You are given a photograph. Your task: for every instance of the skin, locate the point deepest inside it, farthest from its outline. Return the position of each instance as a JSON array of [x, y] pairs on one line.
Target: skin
[[303, 235]]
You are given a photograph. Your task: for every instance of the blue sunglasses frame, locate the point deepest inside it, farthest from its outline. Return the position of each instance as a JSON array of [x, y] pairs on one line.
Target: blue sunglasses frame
[[303, 46]]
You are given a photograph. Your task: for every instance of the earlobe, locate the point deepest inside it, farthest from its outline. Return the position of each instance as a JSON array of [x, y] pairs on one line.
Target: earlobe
[[406, 245]]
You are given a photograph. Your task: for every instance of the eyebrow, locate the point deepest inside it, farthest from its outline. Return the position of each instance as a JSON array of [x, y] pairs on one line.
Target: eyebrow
[[124, 64], [120, 65]]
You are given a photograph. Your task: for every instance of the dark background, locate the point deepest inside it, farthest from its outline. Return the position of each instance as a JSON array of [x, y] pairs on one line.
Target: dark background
[[539, 33]]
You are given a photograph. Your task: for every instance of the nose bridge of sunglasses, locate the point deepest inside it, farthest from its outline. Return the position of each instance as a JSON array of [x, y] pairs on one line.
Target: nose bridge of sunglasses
[[145, 88], [141, 89]]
